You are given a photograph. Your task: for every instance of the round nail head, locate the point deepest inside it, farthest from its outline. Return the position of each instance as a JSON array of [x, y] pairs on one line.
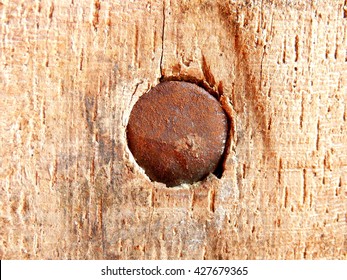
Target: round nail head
[[177, 133]]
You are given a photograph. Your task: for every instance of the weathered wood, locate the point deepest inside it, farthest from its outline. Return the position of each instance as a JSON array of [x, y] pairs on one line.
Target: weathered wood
[[71, 72]]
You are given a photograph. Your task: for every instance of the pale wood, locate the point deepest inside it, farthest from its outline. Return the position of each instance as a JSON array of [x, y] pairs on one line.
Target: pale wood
[[70, 72]]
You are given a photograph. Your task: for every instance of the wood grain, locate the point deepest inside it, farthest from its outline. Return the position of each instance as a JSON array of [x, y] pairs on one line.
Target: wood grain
[[70, 73]]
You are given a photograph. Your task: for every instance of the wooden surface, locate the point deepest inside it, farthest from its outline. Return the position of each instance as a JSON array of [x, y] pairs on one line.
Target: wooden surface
[[70, 72]]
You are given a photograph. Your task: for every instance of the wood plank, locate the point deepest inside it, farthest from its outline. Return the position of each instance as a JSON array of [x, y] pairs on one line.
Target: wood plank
[[72, 70]]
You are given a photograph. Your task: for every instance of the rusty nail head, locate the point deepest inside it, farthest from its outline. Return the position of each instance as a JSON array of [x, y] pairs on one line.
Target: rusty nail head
[[177, 133]]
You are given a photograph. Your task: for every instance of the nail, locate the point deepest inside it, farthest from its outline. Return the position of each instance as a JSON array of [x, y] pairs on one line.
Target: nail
[[177, 133]]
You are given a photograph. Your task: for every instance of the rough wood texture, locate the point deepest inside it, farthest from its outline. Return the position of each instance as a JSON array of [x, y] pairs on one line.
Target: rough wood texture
[[70, 72]]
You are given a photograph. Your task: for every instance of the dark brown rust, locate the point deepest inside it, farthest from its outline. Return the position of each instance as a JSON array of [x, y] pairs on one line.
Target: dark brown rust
[[177, 133]]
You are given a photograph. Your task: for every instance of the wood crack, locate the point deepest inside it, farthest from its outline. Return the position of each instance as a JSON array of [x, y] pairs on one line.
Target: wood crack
[[261, 69], [95, 22], [162, 42]]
